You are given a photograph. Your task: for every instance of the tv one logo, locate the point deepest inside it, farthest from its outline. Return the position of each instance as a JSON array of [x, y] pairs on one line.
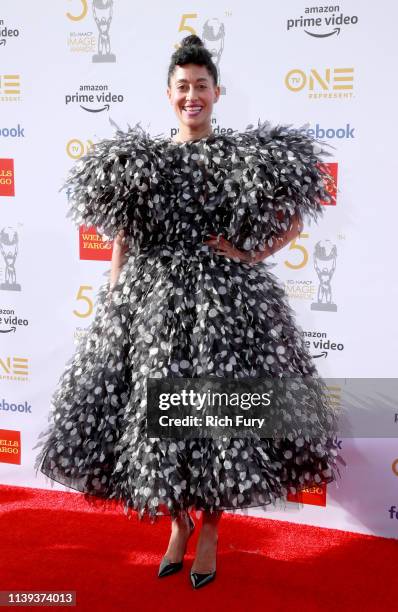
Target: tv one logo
[[10, 88], [330, 82], [14, 368], [75, 148]]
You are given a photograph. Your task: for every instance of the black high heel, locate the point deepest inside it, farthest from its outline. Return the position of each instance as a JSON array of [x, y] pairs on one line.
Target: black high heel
[[200, 580], [166, 568]]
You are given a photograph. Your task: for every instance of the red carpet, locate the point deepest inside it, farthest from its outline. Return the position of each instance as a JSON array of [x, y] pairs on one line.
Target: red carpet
[[55, 541]]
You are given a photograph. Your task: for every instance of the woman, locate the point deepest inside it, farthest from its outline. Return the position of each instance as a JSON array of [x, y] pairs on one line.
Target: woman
[[190, 218]]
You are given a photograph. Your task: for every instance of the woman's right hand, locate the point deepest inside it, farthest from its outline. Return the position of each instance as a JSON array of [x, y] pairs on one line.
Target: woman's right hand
[[119, 256]]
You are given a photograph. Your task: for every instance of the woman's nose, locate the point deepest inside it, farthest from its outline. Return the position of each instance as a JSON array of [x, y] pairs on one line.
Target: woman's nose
[[191, 95]]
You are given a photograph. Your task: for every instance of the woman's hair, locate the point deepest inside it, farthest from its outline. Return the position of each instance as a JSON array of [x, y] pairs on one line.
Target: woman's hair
[[192, 51]]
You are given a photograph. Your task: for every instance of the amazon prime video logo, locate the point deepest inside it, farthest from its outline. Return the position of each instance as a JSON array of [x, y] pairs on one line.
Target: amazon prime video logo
[[10, 321], [321, 21], [6, 33], [94, 98]]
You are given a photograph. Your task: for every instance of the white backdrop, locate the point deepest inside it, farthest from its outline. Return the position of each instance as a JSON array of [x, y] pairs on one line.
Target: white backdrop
[[335, 73]]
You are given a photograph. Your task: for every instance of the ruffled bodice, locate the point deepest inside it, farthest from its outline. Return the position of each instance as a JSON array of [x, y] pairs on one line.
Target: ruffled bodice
[[245, 187]]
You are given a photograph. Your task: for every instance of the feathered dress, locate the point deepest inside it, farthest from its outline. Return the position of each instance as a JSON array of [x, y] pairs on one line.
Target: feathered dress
[[179, 309]]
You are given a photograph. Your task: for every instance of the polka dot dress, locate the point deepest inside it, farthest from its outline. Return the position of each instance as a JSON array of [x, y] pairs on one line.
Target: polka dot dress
[[181, 310]]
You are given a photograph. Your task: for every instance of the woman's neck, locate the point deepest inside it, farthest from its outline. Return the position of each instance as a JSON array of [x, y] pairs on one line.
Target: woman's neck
[[186, 133]]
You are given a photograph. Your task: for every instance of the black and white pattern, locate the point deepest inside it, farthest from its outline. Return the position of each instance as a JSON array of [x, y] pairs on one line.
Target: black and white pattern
[[180, 310]]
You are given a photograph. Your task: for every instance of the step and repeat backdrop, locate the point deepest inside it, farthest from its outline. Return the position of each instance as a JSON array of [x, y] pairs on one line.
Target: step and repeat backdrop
[[71, 69]]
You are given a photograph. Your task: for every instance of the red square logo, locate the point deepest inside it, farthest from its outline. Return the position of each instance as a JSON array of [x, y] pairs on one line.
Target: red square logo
[[10, 446], [331, 184], [315, 496], [93, 246], [7, 183]]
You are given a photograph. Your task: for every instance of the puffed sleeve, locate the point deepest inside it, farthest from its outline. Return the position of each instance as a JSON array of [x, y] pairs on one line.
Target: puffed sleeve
[[111, 186], [281, 174]]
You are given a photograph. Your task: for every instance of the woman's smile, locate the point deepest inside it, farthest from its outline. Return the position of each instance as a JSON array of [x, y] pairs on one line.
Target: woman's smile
[[192, 111]]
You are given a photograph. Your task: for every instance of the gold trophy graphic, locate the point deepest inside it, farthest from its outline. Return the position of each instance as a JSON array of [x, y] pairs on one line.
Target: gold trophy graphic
[[325, 255], [9, 251], [213, 36], [103, 11]]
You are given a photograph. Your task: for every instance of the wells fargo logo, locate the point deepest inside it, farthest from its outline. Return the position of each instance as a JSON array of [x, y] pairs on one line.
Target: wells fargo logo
[[93, 246], [10, 88], [326, 83], [10, 446], [7, 183], [315, 496], [331, 183], [14, 368]]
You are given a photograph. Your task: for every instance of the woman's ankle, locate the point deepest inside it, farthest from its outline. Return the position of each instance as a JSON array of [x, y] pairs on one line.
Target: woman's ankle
[[209, 530], [180, 524], [211, 520]]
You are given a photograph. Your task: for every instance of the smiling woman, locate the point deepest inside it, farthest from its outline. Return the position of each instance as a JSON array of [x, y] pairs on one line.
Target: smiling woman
[[192, 89], [191, 218]]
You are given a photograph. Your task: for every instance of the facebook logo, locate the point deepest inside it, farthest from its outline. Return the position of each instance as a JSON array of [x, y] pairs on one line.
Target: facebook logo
[[25, 407], [321, 133], [13, 132]]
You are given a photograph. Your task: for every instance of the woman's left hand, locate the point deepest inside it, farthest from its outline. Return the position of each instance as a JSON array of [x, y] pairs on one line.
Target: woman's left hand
[[224, 247]]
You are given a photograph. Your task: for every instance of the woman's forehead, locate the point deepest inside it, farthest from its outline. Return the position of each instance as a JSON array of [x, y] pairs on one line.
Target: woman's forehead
[[191, 72]]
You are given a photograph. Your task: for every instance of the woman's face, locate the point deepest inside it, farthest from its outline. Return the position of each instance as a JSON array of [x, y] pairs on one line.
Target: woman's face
[[192, 93]]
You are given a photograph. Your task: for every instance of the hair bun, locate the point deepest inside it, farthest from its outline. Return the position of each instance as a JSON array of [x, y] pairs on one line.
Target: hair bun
[[191, 41]]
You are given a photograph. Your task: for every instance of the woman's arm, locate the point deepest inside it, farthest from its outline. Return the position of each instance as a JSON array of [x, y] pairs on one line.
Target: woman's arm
[[120, 249], [279, 241], [225, 248]]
